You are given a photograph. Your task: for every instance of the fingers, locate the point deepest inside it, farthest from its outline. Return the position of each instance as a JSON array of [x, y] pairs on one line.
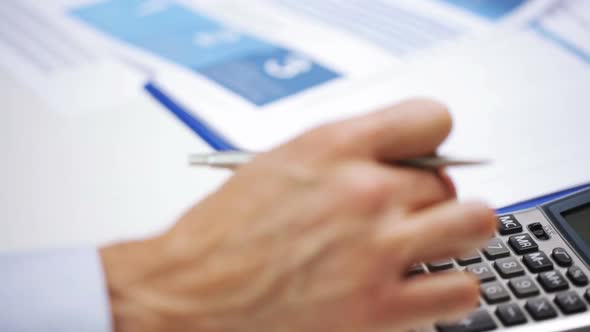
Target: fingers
[[449, 229], [418, 188], [410, 129], [434, 298], [448, 181], [366, 186]]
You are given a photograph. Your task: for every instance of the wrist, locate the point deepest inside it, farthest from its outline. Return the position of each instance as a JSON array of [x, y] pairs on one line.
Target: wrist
[[127, 267]]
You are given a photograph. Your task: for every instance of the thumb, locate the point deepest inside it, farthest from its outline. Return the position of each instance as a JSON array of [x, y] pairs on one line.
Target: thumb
[[410, 129]]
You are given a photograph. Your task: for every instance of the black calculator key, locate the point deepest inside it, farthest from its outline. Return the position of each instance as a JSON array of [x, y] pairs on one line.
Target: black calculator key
[[509, 225], [577, 276], [537, 262], [496, 249], [553, 281], [540, 309], [561, 257], [523, 244], [470, 258], [477, 321], [483, 271], [509, 267], [441, 265], [510, 314], [523, 287], [416, 269], [570, 302], [494, 292], [538, 231]]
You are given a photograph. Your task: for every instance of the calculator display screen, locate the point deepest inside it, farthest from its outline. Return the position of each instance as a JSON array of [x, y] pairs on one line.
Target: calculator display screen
[[578, 219]]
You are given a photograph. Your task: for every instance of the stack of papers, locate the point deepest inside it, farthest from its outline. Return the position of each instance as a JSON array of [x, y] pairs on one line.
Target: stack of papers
[[513, 72]]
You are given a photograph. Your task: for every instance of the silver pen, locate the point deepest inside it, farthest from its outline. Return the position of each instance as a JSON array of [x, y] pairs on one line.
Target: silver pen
[[233, 159]]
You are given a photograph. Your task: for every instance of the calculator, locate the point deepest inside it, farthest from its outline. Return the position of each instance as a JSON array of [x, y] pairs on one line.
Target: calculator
[[534, 272]]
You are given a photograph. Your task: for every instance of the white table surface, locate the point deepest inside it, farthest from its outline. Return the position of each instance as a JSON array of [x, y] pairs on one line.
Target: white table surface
[[92, 178]]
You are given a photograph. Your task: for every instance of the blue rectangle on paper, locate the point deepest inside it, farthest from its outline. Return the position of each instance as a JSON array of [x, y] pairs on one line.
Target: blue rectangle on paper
[[170, 31], [491, 9], [264, 78], [256, 70], [182, 48], [132, 20]]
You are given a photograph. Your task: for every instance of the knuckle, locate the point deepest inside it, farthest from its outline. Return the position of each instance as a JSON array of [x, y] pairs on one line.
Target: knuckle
[[339, 137], [397, 184], [321, 143], [361, 186], [417, 179], [429, 183], [402, 242]]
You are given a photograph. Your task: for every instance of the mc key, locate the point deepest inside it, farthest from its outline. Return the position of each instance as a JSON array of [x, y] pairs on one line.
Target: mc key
[[509, 225]]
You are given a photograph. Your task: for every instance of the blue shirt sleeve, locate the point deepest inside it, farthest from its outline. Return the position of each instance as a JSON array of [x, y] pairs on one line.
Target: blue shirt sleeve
[[54, 290]]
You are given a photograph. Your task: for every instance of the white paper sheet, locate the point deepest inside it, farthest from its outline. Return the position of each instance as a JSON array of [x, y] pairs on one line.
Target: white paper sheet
[[521, 101], [238, 58], [518, 96], [517, 93], [263, 71], [67, 72]]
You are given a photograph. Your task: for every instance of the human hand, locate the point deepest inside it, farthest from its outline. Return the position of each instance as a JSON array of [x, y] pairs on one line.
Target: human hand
[[314, 236]]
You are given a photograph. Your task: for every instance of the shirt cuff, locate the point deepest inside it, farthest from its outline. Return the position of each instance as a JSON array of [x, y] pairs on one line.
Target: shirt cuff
[[54, 290]]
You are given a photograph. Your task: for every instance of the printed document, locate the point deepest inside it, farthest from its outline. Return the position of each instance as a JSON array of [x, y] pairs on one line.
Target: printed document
[[519, 99], [262, 71], [253, 58], [64, 70]]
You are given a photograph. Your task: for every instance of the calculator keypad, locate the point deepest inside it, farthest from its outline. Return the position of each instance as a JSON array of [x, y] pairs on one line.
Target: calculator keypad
[[528, 274]]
